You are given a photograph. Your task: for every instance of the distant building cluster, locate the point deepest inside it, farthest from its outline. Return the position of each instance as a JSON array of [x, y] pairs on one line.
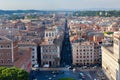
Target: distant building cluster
[[29, 42], [25, 43]]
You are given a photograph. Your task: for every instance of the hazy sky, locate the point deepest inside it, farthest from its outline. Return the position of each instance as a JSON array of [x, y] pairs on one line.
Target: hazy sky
[[58, 4]]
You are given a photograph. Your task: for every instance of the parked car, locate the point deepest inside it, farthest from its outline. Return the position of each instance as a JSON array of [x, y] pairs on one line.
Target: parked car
[[46, 66]]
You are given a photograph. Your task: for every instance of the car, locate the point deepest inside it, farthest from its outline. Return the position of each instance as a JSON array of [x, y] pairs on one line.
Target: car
[[54, 75], [70, 67], [74, 69], [67, 66], [50, 78], [46, 66], [103, 78], [36, 66], [84, 67], [82, 75], [55, 72]]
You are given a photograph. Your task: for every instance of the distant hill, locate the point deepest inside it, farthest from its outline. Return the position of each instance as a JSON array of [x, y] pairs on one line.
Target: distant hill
[[102, 13], [17, 11], [31, 11]]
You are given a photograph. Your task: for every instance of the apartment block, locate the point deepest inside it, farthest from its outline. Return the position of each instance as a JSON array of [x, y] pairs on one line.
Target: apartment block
[[83, 53]]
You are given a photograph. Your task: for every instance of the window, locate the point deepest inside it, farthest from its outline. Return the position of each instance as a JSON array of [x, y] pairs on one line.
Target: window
[[77, 50], [76, 56], [76, 60], [1, 54], [1, 61], [46, 34], [33, 53], [1, 46], [8, 46], [77, 53], [33, 60], [84, 53], [8, 54], [80, 53], [33, 49], [49, 34], [8, 61], [52, 34], [32, 56]]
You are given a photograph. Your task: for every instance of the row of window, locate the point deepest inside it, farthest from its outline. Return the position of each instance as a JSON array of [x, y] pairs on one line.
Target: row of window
[[84, 50], [4, 54], [49, 57], [50, 34], [2, 61], [5, 46], [84, 53], [83, 56], [84, 63], [84, 60], [49, 47], [50, 51], [53, 63], [91, 47]]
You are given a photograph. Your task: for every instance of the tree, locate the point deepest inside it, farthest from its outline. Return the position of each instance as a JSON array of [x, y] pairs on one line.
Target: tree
[[13, 74]]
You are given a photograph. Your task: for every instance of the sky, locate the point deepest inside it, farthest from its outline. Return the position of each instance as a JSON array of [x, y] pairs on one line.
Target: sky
[[58, 4]]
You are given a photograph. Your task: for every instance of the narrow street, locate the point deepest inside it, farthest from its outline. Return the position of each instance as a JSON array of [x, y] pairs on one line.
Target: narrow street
[[66, 55]]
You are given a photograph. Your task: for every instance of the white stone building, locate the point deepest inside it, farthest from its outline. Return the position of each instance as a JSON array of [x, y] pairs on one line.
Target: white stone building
[[111, 58]]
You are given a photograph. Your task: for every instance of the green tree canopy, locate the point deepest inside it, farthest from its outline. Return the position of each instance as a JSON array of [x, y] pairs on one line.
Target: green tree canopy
[[13, 74]]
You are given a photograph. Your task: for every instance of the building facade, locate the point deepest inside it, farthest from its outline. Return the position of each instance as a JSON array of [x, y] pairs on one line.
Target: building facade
[[83, 53], [8, 51], [111, 58], [50, 54], [33, 53]]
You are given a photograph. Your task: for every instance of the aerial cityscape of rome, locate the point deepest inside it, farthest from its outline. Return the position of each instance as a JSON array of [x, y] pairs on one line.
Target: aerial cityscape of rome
[[59, 40]]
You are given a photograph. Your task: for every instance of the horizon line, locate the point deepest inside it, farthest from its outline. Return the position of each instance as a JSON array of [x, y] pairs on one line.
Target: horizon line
[[66, 9]]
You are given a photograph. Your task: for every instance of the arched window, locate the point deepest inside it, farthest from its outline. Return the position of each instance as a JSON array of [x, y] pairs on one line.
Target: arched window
[[8, 61]]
